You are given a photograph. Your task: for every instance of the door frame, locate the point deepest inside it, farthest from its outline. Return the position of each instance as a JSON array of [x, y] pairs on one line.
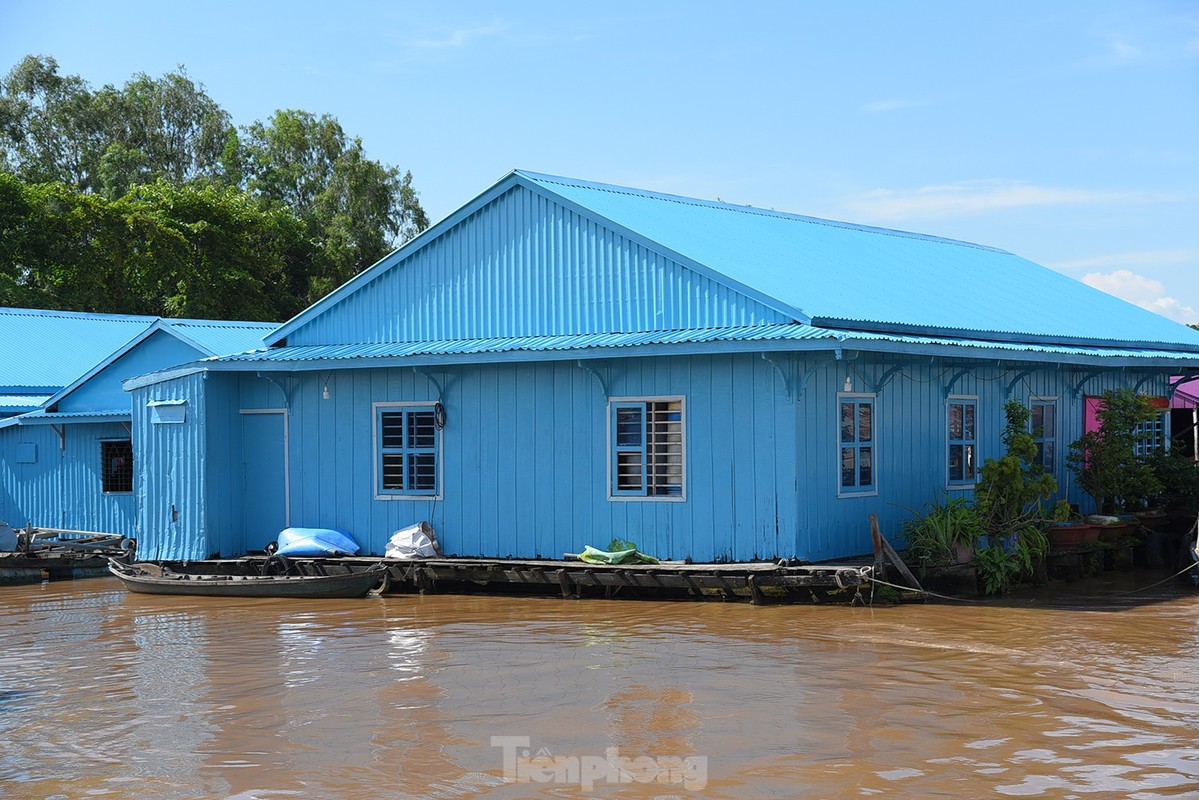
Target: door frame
[[286, 457]]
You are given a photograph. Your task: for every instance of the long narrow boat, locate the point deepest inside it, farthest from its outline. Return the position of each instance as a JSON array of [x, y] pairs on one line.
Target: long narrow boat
[[151, 579]]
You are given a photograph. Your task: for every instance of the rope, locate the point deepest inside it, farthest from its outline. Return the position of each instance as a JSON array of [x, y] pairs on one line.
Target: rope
[[924, 592], [1180, 572]]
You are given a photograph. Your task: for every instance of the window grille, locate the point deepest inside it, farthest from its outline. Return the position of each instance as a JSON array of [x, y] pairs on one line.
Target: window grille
[[647, 448], [116, 462], [1151, 435]]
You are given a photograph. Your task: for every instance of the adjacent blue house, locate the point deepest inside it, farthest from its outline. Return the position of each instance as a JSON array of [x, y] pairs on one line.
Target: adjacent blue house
[[68, 462], [561, 362]]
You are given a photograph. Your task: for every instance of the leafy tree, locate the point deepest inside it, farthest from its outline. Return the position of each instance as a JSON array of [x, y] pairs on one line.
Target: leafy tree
[[55, 128], [50, 126], [192, 250], [356, 209], [129, 174], [1105, 461], [161, 128]]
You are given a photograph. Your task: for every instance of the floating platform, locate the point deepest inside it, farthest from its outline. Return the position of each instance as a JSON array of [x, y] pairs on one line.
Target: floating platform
[[16, 568], [59, 554], [756, 582]]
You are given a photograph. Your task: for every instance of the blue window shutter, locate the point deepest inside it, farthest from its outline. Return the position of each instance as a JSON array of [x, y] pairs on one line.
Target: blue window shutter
[[407, 450], [628, 449]]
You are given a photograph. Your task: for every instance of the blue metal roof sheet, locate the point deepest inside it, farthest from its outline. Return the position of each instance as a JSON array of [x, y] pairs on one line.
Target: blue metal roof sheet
[[219, 337], [42, 417], [840, 274], [49, 349], [816, 337], [19, 403]]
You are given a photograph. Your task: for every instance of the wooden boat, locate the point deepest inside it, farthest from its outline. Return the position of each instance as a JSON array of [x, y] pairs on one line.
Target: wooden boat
[[152, 579]]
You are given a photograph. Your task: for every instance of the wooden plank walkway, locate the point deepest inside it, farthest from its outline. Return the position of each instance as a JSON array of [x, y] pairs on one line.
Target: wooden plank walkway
[[757, 582]]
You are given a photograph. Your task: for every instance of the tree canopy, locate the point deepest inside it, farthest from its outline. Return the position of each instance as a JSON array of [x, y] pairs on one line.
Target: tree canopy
[[146, 199]]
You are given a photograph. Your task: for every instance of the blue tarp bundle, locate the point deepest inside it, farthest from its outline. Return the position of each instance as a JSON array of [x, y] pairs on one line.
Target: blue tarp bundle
[[316, 542]]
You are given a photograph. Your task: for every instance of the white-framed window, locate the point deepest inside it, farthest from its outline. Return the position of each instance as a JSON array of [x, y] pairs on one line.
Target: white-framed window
[[857, 445], [962, 438], [407, 441], [1152, 435], [647, 453], [1042, 421], [116, 466]]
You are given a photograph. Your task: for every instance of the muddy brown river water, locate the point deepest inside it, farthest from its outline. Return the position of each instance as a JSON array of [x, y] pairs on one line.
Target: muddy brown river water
[[1080, 693]]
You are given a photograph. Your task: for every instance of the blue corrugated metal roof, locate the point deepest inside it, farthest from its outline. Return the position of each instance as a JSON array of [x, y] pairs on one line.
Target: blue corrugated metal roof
[[54, 352], [49, 349], [20, 403], [220, 337], [831, 274], [852, 275], [41, 417], [806, 336]]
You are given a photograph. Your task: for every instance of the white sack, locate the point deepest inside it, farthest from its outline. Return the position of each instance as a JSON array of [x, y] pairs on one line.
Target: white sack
[[415, 541]]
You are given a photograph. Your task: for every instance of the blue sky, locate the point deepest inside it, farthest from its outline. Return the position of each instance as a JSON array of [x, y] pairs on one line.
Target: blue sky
[[1066, 132]]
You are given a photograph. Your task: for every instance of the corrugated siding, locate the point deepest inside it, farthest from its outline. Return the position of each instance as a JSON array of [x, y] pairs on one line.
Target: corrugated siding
[[85, 506], [525, 266], [63, 487], [171, 471], [31, 492], [224, 487], [525, 459]]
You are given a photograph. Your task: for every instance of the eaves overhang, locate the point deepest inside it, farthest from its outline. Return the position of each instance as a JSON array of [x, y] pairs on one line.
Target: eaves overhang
[[750, 339]]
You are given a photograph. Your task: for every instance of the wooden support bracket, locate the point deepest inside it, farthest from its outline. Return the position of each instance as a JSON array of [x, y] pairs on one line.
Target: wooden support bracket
[[882, 545]]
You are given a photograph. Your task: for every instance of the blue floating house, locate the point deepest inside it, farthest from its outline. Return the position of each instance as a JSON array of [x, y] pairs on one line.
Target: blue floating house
[[561, 363], [66, 461]]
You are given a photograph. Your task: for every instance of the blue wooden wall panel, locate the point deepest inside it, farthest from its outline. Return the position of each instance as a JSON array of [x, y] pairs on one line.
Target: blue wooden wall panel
[[103, 392], [524, 453], [525, 266]]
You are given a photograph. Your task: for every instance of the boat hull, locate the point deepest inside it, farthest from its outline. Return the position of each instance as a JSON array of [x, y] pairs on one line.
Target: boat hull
[[350, 584]]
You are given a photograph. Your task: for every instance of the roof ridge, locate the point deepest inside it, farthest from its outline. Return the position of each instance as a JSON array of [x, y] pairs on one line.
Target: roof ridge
[[14, 311]]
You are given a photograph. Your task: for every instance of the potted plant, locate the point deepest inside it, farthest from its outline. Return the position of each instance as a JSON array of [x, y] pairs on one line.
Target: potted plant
[[943, 532], [1008, 499], [1067, 529], [1107, 466], [1011, 488]]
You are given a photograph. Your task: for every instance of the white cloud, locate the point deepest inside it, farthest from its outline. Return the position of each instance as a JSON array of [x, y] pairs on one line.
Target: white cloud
[[459, 38], [977, 197], [1141, 259], [1125, 52], [1144, 292]]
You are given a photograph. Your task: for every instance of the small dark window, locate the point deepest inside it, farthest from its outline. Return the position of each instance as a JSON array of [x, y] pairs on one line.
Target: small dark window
[[116, 459]]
